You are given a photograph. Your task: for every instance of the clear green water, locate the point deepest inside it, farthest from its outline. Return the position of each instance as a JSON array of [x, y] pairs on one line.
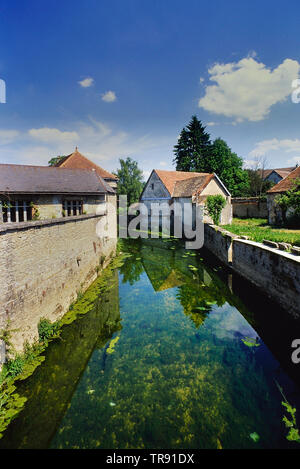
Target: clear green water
[[177, 374]]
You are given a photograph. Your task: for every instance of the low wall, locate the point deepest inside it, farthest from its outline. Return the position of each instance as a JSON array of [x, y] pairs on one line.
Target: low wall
[[251, 207], [219, 242], [275, 272], [43, 266]]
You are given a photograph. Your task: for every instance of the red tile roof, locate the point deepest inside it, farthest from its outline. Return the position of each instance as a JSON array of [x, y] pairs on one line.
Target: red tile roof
[[78, 161], [286, 183], [173, 178], [283, 172]]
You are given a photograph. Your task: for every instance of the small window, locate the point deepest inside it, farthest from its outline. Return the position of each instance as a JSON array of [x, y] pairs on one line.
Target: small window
[[152, 186], [71, 208], [14, 211]]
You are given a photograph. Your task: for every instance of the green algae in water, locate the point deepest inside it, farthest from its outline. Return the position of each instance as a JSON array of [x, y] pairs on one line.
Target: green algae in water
[[255, 437], [250, 342], [179, 378], [11, 403], [112, 345]]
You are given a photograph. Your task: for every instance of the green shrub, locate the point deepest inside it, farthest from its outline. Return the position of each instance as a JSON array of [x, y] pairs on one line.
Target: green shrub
[[214, 206], [15, 366], [47, 329]]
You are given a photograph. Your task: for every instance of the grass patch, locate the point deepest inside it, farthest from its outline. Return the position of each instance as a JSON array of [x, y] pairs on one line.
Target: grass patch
[[258, 229]]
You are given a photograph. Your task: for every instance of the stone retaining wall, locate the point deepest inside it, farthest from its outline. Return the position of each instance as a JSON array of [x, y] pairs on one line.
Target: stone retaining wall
[[44, 265], [275, 272]]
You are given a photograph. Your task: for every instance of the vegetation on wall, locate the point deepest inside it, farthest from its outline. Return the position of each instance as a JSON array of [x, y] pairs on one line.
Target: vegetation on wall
[[20, 366], [258, 229], [289, 202], [214, 205]]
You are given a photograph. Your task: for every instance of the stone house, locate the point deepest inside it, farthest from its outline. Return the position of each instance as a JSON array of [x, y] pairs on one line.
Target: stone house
[[274, 212], [78, 161], [58, 229], [186, 187], [40, 192]]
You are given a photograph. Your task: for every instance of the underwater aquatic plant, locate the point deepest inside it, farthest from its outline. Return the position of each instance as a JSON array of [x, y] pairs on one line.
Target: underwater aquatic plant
[[112, 345], [255, 437], [250, 342], [293, 434]]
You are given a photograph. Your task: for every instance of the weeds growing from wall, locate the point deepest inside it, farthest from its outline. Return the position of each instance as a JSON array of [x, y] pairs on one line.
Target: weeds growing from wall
[[21, 365]]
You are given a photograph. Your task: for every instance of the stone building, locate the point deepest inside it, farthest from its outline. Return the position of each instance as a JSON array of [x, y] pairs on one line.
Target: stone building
[[58, 229], [40, 192], [78, 161], [186, 187], [275, 216]]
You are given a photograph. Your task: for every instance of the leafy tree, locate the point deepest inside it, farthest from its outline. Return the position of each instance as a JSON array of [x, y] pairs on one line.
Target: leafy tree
[[214, 205], [229, 167], [130, 180], [55, 160], [192, 147], [257, 186]]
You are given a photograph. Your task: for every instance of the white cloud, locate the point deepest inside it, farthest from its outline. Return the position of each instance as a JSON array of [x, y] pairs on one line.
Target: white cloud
[[8, 136], [162, 163], [109, 97], [211, 124], [295, 160], [97, 140], [250, 164], [47, 135], [86, 82], [265, 146], [247, 89], [146, 175]]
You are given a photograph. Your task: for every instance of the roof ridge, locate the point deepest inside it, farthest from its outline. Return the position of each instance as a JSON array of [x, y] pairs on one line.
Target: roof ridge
[[103, 172], [285, 184]]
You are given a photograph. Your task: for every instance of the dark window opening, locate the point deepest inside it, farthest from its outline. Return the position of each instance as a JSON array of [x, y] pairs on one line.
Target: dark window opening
[[71, 208], [14, 211]]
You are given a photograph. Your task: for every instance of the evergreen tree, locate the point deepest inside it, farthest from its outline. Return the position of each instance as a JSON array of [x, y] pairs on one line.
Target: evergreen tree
[[192, 147], [130, 180]]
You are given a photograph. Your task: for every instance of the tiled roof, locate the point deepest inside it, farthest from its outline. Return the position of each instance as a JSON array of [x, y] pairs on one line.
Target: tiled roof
[[286, 183], [48, 180], [78, 161], [171, 180], [189, 187], [283, 172]]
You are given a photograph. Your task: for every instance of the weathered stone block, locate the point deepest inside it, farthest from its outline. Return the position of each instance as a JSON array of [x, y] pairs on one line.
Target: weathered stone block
[[284, 246], [296, 250], [271, 244]]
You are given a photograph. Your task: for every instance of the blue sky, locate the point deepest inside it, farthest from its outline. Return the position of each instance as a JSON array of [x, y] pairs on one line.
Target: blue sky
[[122, 77]]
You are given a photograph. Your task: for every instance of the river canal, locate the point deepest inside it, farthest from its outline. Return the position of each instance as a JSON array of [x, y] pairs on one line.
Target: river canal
[[177, 353]]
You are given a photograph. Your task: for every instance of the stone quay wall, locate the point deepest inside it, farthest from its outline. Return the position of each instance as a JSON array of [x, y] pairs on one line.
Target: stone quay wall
[[45, 264], [275, 272]]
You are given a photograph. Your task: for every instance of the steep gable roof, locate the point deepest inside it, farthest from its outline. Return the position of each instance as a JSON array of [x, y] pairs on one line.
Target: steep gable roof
[[286, 183], [78, 161], [170, 179], [283, 172], [191, 186], [25, 179]]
